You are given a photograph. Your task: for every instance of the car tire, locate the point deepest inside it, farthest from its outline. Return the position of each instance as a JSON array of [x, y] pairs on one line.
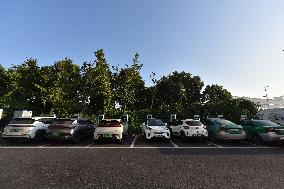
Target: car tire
[[97, 141], [77, 138], [211, 137], [183, 137], [40, 136], [257, 139], [11, 141]]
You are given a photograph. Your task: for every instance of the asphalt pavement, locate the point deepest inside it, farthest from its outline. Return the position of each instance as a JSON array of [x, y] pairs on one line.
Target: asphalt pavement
[[139, 164]]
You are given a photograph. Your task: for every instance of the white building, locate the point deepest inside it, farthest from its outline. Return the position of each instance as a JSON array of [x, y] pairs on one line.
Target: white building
[[275, 102]]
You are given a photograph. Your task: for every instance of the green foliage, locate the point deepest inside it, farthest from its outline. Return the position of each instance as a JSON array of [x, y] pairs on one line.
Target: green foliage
[[102, 100], [128, 85], [64, 88], [136, 118], [62, 94]]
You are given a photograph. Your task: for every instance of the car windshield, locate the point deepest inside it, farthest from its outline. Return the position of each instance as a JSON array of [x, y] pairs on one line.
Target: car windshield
[[155, 122], [63, 121], [265, 123], [223, 122], [193, 123], [22, 121], [112, 123]]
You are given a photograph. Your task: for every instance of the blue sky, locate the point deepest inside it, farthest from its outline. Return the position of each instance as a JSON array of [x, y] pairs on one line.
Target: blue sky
[[237, 44]]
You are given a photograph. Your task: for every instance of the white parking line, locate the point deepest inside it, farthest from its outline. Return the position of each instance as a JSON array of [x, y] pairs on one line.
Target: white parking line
[[125, 147], [133, 142], [176, 146]]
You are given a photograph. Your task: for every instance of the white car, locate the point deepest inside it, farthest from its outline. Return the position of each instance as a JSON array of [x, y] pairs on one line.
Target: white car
[[27, 128], [155, 128], [189, 128], [109, 129]]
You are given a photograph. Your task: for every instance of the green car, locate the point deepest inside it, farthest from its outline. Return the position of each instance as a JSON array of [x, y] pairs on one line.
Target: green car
[[261, 131], [222, 129]]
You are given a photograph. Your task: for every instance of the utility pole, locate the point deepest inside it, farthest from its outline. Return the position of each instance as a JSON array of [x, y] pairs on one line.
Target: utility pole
[[266, 95]]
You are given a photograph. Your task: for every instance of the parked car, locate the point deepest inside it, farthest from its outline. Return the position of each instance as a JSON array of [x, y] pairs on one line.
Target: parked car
[[189, 128], [222, 129], [260, 131], [27, 128], [110, 129], [71, 129], [155, 128]]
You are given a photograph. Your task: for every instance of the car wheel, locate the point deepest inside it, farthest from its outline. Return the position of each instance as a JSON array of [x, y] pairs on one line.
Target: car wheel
[[183, 137], [11, 141], [119, 141], [77, 138], [211, 137], [40, 136], [97, 141], [257, 139]]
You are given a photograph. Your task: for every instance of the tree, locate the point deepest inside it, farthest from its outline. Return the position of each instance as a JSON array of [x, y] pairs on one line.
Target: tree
[[63, 92], [102, 100], [4, 86], [23, 91], [216, 94], [129, 85], [177, 92]]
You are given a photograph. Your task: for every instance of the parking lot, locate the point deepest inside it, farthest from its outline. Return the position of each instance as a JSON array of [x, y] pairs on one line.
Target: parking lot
[[139, 164], [138, 141]]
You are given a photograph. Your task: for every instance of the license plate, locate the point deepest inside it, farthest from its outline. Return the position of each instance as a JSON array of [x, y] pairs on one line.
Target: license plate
[[15, 133], [234, 131], [282, 138], [159, 135], [107, 135], [15, 130]]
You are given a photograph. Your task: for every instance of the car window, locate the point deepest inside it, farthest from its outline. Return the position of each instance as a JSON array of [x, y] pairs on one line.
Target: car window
[[63, 121], [261, 123], [155, 122], [246, 123], [22, 121], [193, 123], [209, 122], [82, 122], [47, 120], [112, 123], [223, 122], [89, 122]]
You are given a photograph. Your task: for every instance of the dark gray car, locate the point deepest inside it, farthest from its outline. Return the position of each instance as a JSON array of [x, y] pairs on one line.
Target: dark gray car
[[71, 129]]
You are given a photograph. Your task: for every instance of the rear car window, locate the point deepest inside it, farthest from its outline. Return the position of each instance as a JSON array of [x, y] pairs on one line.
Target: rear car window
[[22, 121], [193, 123], [265, 123], [46, 120], [63, 121], [223, 122], [112, 123]]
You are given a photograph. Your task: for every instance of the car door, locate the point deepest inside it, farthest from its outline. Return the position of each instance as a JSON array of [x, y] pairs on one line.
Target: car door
[[248, 127]]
